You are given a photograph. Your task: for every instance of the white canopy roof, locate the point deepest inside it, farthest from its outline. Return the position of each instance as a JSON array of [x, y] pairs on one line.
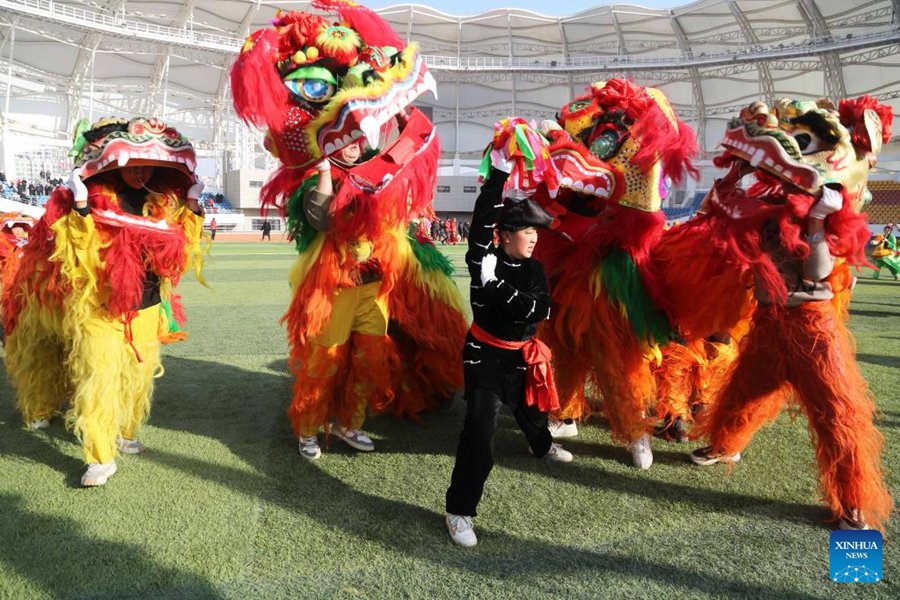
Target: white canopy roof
[[170, 58]]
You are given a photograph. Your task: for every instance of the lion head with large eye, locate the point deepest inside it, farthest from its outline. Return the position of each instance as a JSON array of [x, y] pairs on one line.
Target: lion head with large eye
[[318, 86], [800, 146]]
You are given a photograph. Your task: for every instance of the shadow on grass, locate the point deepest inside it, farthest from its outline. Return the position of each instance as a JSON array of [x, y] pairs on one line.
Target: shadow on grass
[[303, 487], [880, 360], [63, 561], [41, 446], [878, 314]]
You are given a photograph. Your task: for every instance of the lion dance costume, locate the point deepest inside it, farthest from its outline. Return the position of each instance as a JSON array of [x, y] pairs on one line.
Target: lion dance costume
[[885, 254], [368, 297], [792, 236], [609, 152], [14, 231], [94, 294]]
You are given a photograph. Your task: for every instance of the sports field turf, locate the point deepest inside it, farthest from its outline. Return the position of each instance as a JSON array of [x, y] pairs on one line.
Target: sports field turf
[[222, 506]]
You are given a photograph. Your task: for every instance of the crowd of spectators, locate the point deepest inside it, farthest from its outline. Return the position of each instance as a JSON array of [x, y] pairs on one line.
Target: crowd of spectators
[[35, 193], [449, 231]]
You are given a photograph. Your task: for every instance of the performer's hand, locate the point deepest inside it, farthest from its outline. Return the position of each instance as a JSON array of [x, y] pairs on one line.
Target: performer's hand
[[79, 190], [832, 201], [323, 165], [196, 189], [488, 268]]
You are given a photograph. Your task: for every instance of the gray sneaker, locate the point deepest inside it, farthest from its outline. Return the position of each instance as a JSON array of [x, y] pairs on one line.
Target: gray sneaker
[[354, 438], [309, 447], [129, 446]]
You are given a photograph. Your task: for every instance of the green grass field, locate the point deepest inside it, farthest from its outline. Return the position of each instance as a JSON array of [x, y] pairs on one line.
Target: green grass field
[[222, 506]]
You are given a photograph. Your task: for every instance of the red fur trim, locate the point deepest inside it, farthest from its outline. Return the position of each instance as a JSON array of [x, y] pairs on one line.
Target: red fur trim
[[260, 97], [852, 114]]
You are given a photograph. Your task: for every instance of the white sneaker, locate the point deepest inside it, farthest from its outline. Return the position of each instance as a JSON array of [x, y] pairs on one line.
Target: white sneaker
[[354, 438], [559, 454], [129, 446], [309, 447], [461, 531], [98, 474], [39, 424], [561, 429], [641, 454]]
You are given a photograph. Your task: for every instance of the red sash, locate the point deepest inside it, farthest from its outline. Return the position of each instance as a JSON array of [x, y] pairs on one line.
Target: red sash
[[540, 389]]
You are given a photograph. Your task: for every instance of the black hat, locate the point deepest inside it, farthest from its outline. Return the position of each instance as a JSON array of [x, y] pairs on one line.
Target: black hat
[[521, 214]]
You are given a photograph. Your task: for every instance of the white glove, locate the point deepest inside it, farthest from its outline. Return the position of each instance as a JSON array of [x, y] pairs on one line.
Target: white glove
[[79, 190], [832, 201], [488, 268], [547, 126], [195, 190], [501, 162], [324, 165]]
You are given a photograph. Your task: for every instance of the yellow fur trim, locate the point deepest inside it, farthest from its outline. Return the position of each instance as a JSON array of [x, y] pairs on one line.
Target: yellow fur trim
[[439, 286]]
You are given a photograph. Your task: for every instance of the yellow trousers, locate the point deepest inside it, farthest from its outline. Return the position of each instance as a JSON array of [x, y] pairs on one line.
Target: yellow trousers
[[104, 366], [358, 312]]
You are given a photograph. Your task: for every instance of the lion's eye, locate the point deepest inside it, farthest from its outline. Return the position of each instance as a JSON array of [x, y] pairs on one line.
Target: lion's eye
[[808, 142], [313, 90], [312, 84]]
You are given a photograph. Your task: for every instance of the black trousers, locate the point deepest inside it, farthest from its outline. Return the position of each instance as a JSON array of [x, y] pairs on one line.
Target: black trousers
[[486, 392]]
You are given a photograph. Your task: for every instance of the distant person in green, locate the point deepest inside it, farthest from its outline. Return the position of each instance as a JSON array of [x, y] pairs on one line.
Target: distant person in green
[[885, 255]]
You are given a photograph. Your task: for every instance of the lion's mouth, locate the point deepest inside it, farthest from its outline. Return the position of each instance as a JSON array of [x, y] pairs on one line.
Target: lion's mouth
[[774, 152], [366, 117]]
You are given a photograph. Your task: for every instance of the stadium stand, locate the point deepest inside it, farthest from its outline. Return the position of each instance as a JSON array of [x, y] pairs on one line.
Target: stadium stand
[[885, 205]]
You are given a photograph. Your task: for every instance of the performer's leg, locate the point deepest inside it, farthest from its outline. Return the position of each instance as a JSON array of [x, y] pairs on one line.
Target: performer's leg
[[840, 409], [35, 362], [144, 329], [533, 424], [318, 371], [100, 364], [475, 454], [755, 390], [320, 368], [374, 361]]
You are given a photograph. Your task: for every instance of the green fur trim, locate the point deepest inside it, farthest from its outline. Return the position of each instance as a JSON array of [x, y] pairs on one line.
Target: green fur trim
[[297, 226], [170, 316], [623, 285], [428, 256]]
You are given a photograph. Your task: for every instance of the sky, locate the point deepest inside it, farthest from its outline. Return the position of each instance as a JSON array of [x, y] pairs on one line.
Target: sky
[[547, 7]]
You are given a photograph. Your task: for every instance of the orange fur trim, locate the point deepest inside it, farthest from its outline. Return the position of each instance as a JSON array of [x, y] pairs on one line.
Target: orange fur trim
[[592, 340], [318, 370], [809, 350]]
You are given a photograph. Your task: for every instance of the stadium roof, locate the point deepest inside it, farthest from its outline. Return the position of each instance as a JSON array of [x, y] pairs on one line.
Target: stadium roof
[[171, 58]]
